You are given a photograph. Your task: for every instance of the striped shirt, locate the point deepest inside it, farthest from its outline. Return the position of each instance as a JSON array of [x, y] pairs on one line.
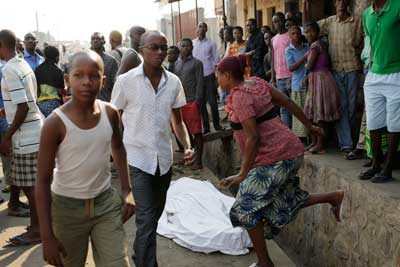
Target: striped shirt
[[345, 42], [19, 86]]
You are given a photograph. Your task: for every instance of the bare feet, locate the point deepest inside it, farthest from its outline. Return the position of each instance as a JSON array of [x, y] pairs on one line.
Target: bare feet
[[337, 205], [317, 150]]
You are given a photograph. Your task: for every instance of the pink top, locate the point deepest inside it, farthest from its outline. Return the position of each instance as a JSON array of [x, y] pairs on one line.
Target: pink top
[[280, 42], [277, 142]]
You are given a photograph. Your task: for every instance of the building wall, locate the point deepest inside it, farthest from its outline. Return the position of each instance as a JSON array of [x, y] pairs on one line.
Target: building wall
[[319, 8]]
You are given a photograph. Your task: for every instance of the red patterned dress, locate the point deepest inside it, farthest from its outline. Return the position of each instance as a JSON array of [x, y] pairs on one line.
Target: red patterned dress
[[270, 193]]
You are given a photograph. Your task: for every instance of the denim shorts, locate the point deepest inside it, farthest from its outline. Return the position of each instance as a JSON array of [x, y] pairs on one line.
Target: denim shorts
[[382, 101]]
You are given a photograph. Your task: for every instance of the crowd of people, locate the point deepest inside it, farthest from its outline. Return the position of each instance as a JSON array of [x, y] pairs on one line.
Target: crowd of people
[[283, 89]]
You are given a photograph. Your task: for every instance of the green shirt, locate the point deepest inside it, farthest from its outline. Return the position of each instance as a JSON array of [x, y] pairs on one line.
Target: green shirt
[[383, 29]]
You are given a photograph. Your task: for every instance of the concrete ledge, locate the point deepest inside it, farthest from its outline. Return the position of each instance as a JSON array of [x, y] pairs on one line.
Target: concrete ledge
[[369, 235], [208, 137], [370, 232]]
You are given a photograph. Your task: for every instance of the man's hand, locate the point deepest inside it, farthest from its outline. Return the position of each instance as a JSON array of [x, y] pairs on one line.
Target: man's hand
[[5, 146], [129, 205], [189, 156], [231, 180], [52, 251]]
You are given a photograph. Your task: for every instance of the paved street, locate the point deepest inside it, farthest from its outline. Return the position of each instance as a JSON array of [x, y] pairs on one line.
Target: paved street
[[169, 253]]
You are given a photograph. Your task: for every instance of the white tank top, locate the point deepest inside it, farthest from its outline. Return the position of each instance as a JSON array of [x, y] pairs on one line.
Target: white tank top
[[83, 158]]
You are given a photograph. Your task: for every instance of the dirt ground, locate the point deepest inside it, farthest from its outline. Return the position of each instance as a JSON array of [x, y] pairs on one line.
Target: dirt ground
[[169, 253]]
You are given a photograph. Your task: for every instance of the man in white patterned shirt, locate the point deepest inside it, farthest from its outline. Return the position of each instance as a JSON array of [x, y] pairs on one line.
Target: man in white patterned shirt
[[150, 98], [19, 89]]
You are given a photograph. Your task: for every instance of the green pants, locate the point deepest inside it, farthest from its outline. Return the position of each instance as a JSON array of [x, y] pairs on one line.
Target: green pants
[[76, 220]]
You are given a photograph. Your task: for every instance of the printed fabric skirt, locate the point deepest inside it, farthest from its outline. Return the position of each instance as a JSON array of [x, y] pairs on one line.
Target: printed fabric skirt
[[47, 106], [269, 194], [299, 98], [384, 143], [323, 99]]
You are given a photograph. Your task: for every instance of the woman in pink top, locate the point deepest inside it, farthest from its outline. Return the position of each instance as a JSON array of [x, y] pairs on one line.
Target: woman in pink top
[[269, 195]]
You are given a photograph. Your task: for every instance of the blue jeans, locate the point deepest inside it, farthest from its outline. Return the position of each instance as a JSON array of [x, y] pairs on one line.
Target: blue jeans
[[284, 85], [348, 83], [224, 95], [210, 95]]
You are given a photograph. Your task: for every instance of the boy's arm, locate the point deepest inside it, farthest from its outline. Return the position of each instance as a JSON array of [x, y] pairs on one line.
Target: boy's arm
[[51, 136], [291, 63], [121, 163]]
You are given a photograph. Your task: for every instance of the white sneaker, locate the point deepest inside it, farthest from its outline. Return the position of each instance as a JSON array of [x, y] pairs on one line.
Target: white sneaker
[[254, 265]]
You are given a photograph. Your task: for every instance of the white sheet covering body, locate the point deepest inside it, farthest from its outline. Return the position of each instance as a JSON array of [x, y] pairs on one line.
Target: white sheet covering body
[[196, 216]]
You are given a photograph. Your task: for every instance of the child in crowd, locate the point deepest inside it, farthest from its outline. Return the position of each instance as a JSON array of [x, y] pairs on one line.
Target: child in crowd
[[50, 82], [323, 100], [296, 59], [76, 142]]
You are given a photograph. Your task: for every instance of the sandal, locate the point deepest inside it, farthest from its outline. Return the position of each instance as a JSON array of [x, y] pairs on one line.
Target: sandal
[[20, 240], [381, 178], [6, 189], [18, 212], [368, 174], [353, 155]]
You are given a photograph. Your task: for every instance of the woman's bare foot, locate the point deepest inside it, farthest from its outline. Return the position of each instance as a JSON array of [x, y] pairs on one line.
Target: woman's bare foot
[[337, 205], [317, 150]]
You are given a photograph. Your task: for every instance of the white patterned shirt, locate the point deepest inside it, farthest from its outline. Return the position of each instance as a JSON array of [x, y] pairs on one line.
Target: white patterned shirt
[[19, 86], [147, 117]]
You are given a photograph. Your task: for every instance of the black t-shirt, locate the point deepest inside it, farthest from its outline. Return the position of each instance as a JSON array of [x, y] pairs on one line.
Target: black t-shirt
[[48, 73]]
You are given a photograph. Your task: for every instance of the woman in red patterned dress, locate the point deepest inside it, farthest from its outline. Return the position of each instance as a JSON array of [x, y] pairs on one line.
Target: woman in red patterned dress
[[269, 195]]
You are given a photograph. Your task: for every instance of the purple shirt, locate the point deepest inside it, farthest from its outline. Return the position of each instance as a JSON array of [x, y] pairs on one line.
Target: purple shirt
[[207, 52]]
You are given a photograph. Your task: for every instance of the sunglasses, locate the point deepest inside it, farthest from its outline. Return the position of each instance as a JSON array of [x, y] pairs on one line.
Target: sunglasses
[[155, 47]]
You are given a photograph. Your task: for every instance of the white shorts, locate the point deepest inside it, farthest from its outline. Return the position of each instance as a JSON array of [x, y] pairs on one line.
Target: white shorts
[[382, 101]]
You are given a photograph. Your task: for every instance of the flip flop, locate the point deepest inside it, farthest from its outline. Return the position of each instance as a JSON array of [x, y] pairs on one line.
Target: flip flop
[[337, 210], [6, 189], [368, 174], [380, 178], [19, 212], [19, 241]]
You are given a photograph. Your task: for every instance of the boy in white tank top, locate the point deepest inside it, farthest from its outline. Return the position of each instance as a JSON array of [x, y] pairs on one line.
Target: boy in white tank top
[[74, 152]]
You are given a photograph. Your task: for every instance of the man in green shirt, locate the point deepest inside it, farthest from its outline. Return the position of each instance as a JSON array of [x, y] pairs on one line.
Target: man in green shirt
[[382, 84]]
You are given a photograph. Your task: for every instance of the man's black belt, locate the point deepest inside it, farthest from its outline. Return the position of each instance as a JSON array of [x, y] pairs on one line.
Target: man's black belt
[[274, 112]]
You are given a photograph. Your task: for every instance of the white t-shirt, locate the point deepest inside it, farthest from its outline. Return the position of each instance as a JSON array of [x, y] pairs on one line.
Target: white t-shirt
[[19, 86]]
